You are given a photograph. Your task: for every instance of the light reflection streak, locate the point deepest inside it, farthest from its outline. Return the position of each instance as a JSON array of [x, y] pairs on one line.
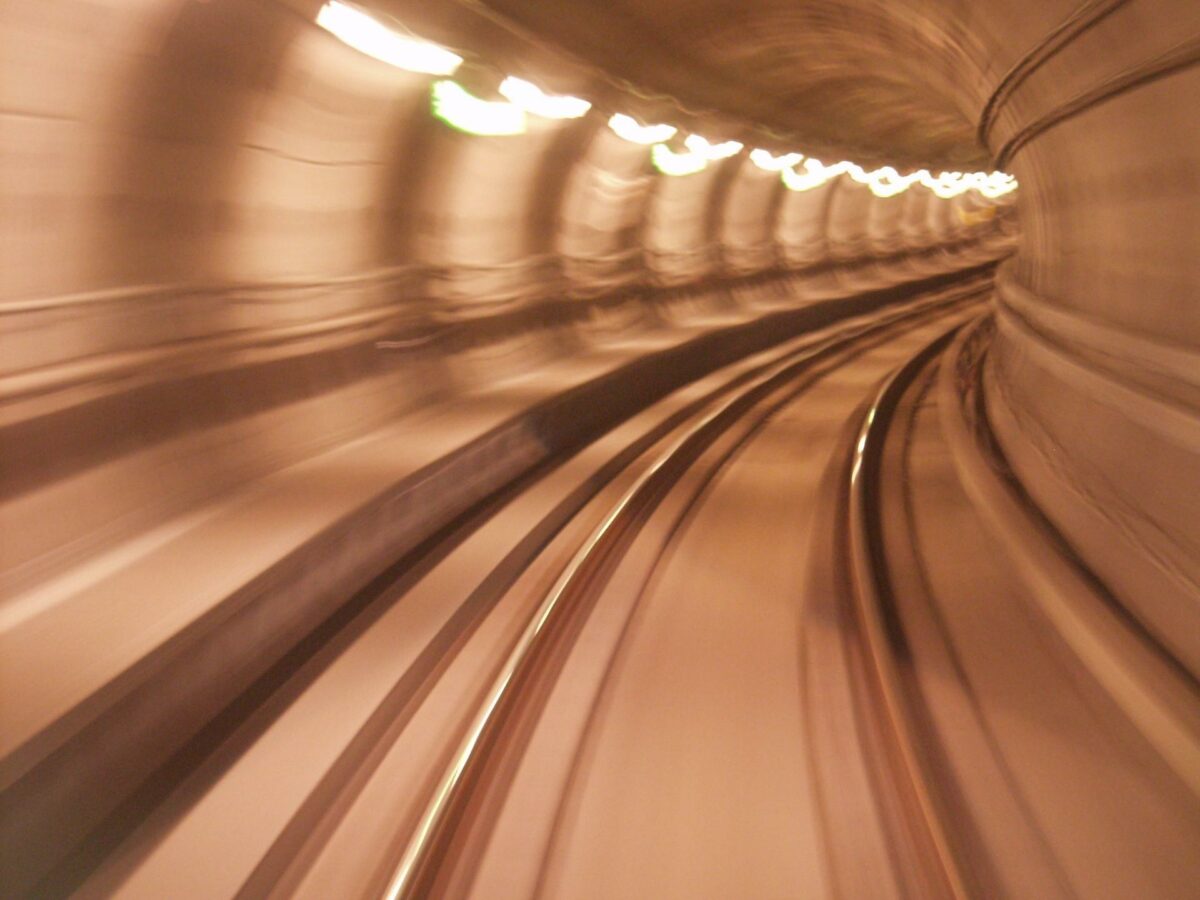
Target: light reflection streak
[[631, 130], [459, 109], [703, 148], [368, 35], [668, 162], [534, 100], [886, 181]]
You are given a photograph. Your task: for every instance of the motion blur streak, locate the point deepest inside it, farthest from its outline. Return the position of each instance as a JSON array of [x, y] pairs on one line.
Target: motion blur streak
[[363, 33], [533, 99], [507, 449], [668, 162], [771, 163], [632, 130], [702, 147], [454, 106]]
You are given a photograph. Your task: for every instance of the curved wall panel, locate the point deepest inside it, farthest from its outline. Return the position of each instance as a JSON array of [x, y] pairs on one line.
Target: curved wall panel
[[601, 215], [1095, 372], [676, 234], [223, 286], [884, 224], [803, 220], [475, 219], [847, 221], [749, 219], [233, 242]]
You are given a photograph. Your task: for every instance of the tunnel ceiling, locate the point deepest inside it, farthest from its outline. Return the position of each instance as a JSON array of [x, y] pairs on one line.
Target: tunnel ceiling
[[875, 81]]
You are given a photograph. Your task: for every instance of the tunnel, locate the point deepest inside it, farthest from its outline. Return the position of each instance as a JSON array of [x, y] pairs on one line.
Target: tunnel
[[579, 449]]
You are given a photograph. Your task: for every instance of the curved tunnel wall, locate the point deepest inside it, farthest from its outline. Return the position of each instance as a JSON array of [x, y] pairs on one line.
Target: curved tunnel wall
[[232, 243], [222, 210], [1094, 375]]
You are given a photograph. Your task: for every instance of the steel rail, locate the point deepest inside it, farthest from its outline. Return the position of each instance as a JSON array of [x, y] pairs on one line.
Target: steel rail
[[413, 875], [871, 597], [286, 849]]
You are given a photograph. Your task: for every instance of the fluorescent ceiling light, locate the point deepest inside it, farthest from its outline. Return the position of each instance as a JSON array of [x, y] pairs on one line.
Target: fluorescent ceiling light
[[794, 181], [946, 184], [370, 36], [702, 147], [845, 167], [669, 162], [770, 163], [997, 184], [459, 109], [534, 100], [951, 184], [816, 173], [632, 130], [887, 182]]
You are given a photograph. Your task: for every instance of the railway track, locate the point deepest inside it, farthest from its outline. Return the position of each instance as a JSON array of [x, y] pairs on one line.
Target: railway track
[[1013, 741], [391, 680], [576, 590], [745, 644]]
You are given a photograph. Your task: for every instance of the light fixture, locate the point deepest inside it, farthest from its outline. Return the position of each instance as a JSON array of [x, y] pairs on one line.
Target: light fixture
[[703, 148], [946, 185], [669, 162], [631, 130], [370, 36], [845, 167], [459, 109], [816, 173], [951, 184], [533, 99], [887, 182], [997, 184], [795, 181], [770, 163]]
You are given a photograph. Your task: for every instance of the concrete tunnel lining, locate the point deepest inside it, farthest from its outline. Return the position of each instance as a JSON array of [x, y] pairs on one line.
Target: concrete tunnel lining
[[219, 217]]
